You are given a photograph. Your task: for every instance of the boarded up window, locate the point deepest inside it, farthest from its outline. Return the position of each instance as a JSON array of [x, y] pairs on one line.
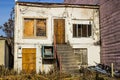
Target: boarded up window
[[81, 30], [41, 27], [34, 27], [28, 27], [81, 55]]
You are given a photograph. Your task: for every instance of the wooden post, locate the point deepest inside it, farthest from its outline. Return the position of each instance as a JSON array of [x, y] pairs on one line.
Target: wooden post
[[112, 72]]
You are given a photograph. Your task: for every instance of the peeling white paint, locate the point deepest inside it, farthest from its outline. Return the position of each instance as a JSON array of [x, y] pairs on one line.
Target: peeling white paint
[[71, 15]]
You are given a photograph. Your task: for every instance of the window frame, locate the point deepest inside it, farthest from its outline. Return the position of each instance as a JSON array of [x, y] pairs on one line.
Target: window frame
[[77, 34], [35, 20]]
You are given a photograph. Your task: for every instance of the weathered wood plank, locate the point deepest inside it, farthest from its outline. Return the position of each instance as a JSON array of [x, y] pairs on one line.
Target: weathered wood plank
[[59, 30], [29, 59]]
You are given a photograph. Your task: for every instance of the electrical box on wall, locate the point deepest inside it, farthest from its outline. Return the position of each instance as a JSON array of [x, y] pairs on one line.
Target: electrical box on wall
[[19, 55], [47, 52]]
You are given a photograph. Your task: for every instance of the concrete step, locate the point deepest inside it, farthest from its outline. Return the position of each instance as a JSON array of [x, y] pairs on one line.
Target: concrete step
[[64, 52], [69, 69], [66, 55], [68, 59], [72, 71], [70, 66], [64, 49]]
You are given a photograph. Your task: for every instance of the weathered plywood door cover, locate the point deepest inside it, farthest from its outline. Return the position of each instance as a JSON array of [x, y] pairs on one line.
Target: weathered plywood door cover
[[59, 30], [29, 59]]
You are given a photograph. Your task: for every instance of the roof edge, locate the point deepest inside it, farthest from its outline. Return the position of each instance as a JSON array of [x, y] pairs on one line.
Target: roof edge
[[37, 4]]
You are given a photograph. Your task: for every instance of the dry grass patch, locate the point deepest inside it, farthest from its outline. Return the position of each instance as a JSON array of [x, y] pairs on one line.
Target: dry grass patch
[[6, 74]]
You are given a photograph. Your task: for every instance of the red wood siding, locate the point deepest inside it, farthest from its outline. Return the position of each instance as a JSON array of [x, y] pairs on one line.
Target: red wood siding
[[110, 32], [91, 2]]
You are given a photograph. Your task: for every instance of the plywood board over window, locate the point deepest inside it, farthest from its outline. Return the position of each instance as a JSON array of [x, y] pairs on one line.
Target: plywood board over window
[[81, 55], [28, 27], [40, 27], [34, 27]]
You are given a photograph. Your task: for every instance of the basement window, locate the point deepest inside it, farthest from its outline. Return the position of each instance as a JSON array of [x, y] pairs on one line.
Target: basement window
[[81, 55], [81, 30], [34, 27]]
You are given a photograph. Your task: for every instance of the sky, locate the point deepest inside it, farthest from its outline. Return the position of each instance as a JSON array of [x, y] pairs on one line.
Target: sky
[[7, 5]]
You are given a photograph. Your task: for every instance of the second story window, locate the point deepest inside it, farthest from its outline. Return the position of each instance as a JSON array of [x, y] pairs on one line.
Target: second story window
[[81, 30], [34, 27]]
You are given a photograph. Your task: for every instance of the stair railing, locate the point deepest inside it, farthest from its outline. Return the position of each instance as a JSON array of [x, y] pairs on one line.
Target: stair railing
[[55, 47], [56, 56]]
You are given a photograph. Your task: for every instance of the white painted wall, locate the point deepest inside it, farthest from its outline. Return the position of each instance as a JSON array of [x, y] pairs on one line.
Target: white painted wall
[[71, 15], [2, 52]]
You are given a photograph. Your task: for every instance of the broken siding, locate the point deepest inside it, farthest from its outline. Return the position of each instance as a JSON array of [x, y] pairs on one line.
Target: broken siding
[[110, 32]]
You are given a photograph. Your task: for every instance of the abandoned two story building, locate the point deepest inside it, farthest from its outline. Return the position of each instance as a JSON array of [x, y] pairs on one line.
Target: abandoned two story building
[[44, 30]]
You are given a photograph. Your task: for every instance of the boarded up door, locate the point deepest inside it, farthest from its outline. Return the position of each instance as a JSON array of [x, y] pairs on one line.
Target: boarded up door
[[59, 30], [29, 59]]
